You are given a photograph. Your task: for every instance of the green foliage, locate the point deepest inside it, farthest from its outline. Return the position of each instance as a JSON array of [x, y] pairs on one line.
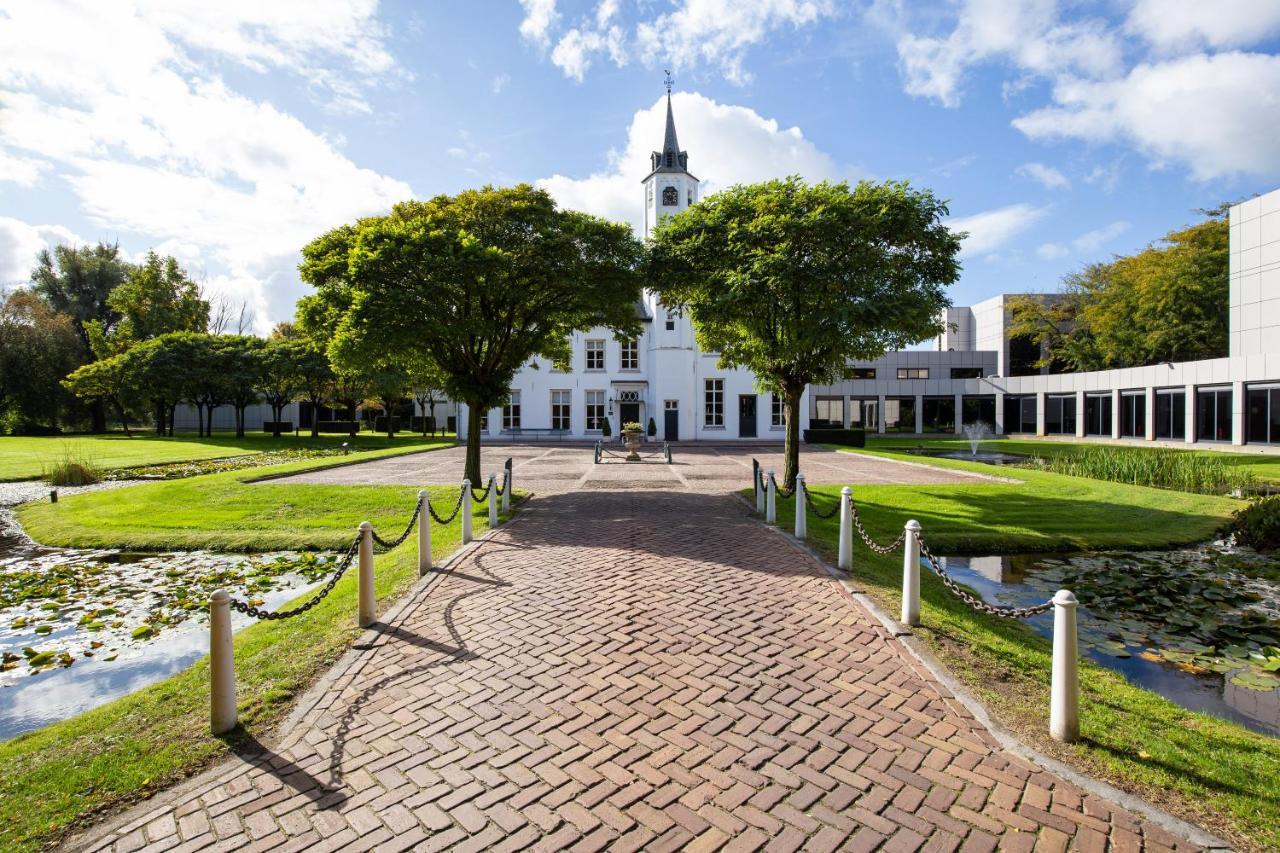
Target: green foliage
[[38, 347], [1157, 467], [78, 281], [793, 281], [653, 428], [605, 430], [156, 298], [73, 469], [1258, 524], [1166, 303], [632, 426], [480, 283]]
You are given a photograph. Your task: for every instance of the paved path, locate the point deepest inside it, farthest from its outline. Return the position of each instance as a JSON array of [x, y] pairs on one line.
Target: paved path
[[552, 468], [633, 670]]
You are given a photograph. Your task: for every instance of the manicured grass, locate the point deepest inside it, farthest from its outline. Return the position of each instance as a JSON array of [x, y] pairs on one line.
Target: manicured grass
[[1210, 771], [27, 457], [1264, 466], [63, 774]]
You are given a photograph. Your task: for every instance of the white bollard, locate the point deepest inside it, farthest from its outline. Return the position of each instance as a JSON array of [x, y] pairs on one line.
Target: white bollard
[[802, 520], [222, 665], [845, 560], [493, 501], [1064, 702], [506, 494], [911, 574], [759, 494], [366, 607], [771, 500], [424, 534], [466, 511]]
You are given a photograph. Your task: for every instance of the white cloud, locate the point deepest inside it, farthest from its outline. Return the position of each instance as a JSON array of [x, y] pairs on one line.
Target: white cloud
[[1170, 25], [539, 17], [727, 145], [1048, 176], [992, 229], [1215, 114], [1027, 34], [500, 82], [153, 141], [23, 171], [1089, 241], [715, 33], [21, 242]]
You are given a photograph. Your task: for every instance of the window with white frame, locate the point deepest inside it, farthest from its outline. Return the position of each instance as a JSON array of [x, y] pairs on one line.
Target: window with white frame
[[560, 404], [511, 412], [595, 410], [484, 421], [714, 414], [595, 355], [630, 355], [777, 416]]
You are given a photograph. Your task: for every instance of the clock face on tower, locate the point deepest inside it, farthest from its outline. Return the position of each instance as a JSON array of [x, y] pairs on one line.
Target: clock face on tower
[[670, 197]]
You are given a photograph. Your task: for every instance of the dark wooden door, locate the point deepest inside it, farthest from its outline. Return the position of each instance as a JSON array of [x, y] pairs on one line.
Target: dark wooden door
[[747, 416], [671, 425]]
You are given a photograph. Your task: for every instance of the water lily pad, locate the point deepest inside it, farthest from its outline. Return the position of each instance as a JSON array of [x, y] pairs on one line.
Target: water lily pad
[[143, 632]]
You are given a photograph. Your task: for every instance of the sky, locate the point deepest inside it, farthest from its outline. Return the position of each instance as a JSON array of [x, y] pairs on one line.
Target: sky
[[230, 134]]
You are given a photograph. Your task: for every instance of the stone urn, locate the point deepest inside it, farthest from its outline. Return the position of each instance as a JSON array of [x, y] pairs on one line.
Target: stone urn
[[631, 440]]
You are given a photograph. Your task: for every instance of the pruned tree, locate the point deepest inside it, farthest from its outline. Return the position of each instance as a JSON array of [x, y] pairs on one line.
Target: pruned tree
[[793, 280], [480, 282]]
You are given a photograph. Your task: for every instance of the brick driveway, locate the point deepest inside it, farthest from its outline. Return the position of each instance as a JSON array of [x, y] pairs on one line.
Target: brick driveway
[[632, 670]]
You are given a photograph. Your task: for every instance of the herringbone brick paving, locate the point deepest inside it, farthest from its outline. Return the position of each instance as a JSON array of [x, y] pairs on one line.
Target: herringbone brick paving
[[631, 670]]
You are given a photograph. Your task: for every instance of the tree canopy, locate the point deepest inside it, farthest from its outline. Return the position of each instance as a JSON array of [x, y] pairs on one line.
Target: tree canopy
[[793, 280], [38, 347], [480, 283], [1166, 303]]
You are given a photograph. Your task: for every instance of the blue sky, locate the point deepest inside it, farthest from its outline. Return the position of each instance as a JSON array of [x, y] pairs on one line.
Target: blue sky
[[229, 134]]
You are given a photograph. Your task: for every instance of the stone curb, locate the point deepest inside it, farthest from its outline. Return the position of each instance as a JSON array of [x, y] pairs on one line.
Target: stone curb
[[1007, 739]]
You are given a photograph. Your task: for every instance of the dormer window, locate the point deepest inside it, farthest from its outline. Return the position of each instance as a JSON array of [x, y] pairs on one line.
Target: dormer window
[[670, 197]]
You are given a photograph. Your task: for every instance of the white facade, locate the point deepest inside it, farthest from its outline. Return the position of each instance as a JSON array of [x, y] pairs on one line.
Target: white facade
[[670, 382]]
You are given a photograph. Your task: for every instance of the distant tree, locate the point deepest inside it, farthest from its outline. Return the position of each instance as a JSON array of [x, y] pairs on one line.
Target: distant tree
[[427, 381], [280, 377], [347, 391], [105, 379], [240, 358], [387, 386], [78, 281], [157, 297], [38, 348], [793, 281], [315, 379], [160, 369], [480, 282]]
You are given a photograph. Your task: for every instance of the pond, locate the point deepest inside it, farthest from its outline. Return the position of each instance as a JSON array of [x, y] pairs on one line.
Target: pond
[[79, 628], [1200, 626]]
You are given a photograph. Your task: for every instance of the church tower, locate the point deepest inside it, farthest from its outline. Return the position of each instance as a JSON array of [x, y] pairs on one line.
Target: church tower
[[669, 188]]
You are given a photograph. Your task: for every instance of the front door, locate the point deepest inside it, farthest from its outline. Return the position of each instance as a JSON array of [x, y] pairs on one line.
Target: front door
[[671, 423], [747, 416], [630, 414]]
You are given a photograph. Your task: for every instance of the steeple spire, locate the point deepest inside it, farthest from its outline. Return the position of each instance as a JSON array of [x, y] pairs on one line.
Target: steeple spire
[[670, 158]]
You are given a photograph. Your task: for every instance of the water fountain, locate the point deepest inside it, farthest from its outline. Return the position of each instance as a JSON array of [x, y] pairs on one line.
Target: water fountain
[[976, 432]]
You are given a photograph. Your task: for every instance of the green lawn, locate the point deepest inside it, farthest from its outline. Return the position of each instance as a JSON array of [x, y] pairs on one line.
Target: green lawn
[[1265, 466], [1212, 772], [68, 772], [27, 457]]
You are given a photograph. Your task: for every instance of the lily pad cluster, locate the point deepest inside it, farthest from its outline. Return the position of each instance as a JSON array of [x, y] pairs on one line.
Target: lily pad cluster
[[1195, 610], [61, 606], [181, 470]]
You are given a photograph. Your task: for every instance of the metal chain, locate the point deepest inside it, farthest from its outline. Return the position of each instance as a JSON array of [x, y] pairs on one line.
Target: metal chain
[[413, 519], [866, 537], [977, 603], [506, 475], [258, 613], [808, 499], [456, 508]]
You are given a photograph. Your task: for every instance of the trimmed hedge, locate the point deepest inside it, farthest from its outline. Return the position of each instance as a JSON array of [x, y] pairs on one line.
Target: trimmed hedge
[[348, 427], [270, 426], [844, 437]]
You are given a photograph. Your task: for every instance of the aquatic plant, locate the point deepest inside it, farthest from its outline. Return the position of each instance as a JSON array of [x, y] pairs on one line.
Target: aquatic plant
[[1159, 467], [1258, 524], [73, 469]]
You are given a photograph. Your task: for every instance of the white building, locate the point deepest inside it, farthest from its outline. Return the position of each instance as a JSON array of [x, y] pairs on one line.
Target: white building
[[660, 377], [1233, 400]]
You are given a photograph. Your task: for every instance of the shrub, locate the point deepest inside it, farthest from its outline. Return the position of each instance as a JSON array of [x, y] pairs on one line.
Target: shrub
[[1159, 467], [605, 429], [653, 428], [1258, 524], [72, 470]]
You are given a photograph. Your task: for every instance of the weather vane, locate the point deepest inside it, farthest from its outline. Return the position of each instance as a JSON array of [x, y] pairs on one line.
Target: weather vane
[[668, 81]]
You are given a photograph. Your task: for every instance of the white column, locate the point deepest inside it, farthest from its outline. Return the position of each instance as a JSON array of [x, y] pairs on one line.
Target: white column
[[424, 534], [1149, 427], [845, 560], [802, 520], [366, 607], [493, 501], [911, 574], [999, 425], [1115, 412], [771, 500], [919, 427], [959, 404], [881, 414], [466, 512], [222, 665], [1191, 415], [1064, 703], [1238, 413], [845, 409], [1041, 404], [1080, 410]]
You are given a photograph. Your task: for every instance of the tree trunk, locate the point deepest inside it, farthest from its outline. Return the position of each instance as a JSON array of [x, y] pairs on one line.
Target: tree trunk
[[277, 412], [315, 418], [160, 409], [472, 471], [209, 423], [200, 419], [173, 413], [98, 415], [240, 421], [791, 441], [124, 419], [386, 408]]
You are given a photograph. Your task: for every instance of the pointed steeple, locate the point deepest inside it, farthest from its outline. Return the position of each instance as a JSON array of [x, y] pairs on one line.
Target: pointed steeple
[[670, 145], [670, 158]]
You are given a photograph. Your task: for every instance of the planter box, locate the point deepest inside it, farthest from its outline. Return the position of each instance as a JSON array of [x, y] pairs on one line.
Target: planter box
[[270, 426], [844, 437], [347, 427]]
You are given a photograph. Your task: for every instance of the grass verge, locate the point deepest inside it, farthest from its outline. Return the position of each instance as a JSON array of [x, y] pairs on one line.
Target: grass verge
[[58, 777], [27, 457], [1209, 771]]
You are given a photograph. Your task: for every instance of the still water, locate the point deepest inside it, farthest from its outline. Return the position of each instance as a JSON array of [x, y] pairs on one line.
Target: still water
[[1198, 626]]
